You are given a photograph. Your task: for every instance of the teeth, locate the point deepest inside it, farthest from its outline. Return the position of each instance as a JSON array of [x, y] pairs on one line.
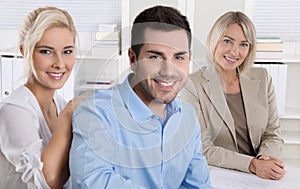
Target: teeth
[[56, 74], [232, 60], [165, 84]]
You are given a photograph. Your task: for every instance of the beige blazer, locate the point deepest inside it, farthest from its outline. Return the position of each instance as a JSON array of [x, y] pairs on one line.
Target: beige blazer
[[204, 92]]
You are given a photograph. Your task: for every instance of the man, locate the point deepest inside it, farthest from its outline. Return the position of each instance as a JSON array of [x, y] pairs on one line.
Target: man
[[138, 134]]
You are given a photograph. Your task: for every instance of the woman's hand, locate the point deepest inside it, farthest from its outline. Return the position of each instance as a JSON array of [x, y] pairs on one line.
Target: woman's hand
[[267, 167], [73, 104]]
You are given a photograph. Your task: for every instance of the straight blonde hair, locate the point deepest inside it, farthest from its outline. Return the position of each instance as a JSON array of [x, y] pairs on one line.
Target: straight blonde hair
[[219, 29]]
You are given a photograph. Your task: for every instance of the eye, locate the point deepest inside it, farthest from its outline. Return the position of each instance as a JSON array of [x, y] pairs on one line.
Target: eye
[[227, 41], [245, 45], [69, 51], [45, 51], [179, 57], [154, 57]]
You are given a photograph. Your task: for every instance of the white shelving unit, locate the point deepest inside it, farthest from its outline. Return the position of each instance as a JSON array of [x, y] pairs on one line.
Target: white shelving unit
[[96, 68], [291, 137], [290, 121]]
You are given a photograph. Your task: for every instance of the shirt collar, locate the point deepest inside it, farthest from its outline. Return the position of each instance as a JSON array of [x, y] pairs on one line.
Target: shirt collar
[[136, 106]]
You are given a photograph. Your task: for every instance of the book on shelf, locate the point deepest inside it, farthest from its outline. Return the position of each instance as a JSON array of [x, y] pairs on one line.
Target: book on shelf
[[261, 39], [269, 46], [106, 48], [106, 51], [106, 42], [100, 82], [108, 27], [269, 55], [108, 35]]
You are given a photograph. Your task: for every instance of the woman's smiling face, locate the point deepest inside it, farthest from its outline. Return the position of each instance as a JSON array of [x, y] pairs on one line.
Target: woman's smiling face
[[232, 50], [53, 58]]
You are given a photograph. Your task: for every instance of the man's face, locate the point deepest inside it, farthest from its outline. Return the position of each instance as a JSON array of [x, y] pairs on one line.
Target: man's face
[[162, 68]]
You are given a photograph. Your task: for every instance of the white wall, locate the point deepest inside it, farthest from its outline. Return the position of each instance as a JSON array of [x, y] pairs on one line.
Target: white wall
[[136, 6], [8, 39]]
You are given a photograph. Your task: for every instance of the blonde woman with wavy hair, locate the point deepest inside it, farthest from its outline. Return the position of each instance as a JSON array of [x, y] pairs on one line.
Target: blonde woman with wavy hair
[[35, 123], [235, 102]]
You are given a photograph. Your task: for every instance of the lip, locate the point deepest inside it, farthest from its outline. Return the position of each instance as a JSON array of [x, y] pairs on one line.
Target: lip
[[230, 60], [164, 85], [56, 75]]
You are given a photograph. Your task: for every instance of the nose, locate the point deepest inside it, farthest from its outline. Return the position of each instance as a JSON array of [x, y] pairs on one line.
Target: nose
[[165, 68], [58, 61], [234, 50], [168, 71]]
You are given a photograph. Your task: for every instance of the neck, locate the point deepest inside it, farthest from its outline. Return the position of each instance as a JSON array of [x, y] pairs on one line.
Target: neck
[[43, 95], [230, 81], [228, 75], [155, 105], [158, 108]]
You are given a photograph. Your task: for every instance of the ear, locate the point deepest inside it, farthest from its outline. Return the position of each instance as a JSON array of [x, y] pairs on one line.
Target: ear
[[21, 50], [132, 59]]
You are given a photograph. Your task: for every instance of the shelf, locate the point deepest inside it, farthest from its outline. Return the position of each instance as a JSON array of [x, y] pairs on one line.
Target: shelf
[[88, 55], [286, 58], [84, 87], [291, 137], [10, 53], [291, 113]]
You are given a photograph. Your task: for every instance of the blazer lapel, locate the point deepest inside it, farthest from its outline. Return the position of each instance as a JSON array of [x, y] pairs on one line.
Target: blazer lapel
[[249, 88], [214, 92]]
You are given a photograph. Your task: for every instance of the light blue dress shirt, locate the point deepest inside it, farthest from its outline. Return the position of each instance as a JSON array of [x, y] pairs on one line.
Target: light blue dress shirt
[[118, 142]]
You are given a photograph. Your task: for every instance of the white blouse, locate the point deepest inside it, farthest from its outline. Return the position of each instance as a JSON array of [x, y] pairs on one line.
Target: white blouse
[[23, 135]]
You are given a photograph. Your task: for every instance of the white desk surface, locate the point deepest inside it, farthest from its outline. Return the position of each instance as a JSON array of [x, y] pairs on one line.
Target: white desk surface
[[231, 179]]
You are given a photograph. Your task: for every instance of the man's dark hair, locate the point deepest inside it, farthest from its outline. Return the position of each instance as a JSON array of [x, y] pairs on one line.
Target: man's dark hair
[[158, 18]]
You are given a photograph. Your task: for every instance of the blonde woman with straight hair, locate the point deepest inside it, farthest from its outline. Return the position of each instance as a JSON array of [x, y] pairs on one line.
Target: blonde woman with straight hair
[[235, 102], [35, 123]]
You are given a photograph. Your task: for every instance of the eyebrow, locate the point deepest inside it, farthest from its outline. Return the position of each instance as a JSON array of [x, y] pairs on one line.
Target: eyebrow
[[161, 53], [234, 39], [48, 47], [181, 53]]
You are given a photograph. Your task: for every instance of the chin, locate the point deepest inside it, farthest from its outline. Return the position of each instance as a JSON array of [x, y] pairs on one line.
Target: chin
[[167, 100], [57, 87]]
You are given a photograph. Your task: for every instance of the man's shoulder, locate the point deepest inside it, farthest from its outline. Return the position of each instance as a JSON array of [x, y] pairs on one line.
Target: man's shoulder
[[100, 99], [188, 108]]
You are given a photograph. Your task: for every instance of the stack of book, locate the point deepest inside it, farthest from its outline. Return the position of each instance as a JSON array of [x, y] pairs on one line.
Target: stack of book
[[269, 48], [107, 41]]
